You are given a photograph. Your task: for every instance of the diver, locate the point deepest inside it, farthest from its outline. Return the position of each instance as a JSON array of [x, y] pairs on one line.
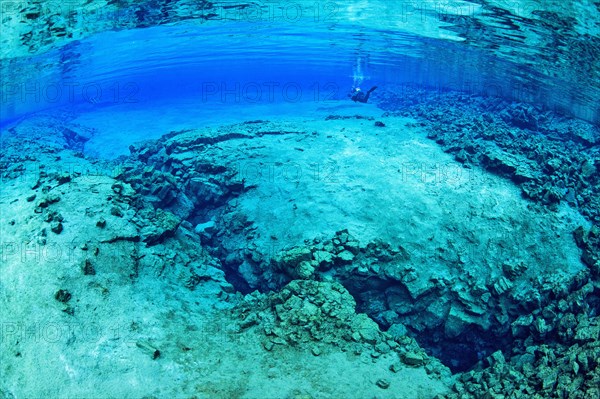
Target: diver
[[358, 96]]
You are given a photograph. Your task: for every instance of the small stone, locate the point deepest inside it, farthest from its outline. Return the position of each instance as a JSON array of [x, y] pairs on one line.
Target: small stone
[[352, 246], [101, 223], [69, 310], [502, 285], [249, 321], [207, 228], [413, 359], [548, 379], [496, 358], [50, 199], [383, 383], [88, 268], [575, 367], [53, 216], [343, 236], [56, 227], [395, 367], [329, 247], [278, 341], [116, 211], [539, 325], [30, 198], [149, 348], [62, 296], [315, 350], [324, 259], [304, 270], [117, 187], [513, 269], [587, 333], [521, 326], [64, 178], [366, 327], [553, 165], [345, 257], [430, 368], [382, 348], [53, 198], [268, 346], [289, 259], [379, 124]]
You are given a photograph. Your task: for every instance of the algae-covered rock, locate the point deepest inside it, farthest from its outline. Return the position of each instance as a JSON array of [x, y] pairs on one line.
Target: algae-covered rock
[[366, 327], [345, 257], [205, 229], [305, 270], [56, 227], [291, 258], [457, 321], [306, 311], [416, 286], [413, 359], [162, 225], [324, 259], [295, 262], [513, 269], [48, 200], [588, 332], [502, 285], [521, 326]]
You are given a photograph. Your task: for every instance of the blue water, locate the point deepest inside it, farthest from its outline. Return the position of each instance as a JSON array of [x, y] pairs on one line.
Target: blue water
[[306, 51]]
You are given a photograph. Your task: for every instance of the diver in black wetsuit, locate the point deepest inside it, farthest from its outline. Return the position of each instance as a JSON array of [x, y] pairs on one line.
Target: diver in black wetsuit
[[359, 96]]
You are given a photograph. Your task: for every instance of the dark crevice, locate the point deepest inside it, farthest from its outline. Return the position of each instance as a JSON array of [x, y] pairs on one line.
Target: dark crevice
[[233, 277], [459, 354]]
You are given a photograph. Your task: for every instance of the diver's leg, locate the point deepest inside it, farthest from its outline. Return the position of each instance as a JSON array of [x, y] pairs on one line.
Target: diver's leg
[[369, 93]]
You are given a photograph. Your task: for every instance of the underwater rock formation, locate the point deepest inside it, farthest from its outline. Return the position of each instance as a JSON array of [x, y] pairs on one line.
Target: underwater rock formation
[[553, 332], [459, 317], [307, 312], [173, 210], [554, 159]]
